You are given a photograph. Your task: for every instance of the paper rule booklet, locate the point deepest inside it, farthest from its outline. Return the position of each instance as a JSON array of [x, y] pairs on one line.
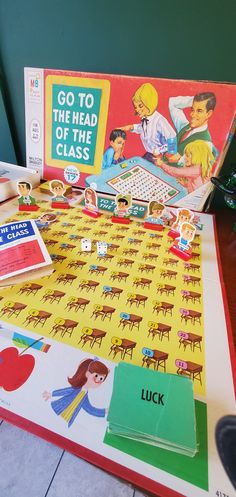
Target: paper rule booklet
[[23, 253], [154, 408]]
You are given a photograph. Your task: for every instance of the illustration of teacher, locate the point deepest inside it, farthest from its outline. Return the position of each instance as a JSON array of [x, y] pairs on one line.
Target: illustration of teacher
[[154, 129], [202, 107]]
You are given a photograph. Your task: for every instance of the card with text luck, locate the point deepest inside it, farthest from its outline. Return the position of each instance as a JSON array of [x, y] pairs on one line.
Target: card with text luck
[[154, 408]]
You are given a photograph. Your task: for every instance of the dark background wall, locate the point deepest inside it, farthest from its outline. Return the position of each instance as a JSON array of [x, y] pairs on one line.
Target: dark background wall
[[173, 39]]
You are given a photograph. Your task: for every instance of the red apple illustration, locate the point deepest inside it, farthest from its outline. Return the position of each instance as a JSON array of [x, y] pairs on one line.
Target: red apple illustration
[[15, 368]]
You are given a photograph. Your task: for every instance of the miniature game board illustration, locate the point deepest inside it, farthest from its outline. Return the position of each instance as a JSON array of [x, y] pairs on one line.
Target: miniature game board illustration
[[140, 178]]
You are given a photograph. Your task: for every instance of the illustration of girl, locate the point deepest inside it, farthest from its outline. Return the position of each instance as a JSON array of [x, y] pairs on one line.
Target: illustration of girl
[[45, 219], [198, 162], [155, 211], [91, 373], [90, 200], [183, 216]]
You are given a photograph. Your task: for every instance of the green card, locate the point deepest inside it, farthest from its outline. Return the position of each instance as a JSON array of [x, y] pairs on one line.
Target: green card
[[154, 408]]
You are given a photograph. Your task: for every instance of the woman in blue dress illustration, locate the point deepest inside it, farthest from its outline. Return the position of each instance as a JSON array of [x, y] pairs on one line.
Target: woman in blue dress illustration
[[90, 374]]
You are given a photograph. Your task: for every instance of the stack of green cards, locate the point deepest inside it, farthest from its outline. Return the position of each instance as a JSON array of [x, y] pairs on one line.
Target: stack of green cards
[[154, 408]]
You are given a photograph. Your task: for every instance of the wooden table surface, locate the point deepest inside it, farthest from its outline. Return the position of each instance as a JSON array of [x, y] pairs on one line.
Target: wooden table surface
[[227, 248]]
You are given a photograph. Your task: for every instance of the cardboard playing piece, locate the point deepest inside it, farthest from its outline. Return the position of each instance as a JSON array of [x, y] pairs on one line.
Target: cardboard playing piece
[[59, 200], [91, 203], [26, 201], [154, 219]]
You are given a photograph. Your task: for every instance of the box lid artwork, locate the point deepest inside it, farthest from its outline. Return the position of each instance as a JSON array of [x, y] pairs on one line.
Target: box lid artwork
[[156, 139]]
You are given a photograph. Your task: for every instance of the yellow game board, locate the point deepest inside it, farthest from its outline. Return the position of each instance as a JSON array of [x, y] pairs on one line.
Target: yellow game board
[[139, 303]]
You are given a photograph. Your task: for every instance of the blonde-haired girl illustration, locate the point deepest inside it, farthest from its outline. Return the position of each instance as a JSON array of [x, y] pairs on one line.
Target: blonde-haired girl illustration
[[198, 160]]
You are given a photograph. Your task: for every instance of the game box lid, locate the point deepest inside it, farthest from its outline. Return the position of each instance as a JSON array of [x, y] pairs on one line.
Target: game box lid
[[158, 139]]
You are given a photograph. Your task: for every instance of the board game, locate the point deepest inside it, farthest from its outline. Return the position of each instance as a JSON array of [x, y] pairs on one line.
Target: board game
[[139, 304], [89, 129]]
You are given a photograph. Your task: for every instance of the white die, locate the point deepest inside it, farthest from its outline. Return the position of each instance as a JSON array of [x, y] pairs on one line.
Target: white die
[[86, 244], [101, 248]]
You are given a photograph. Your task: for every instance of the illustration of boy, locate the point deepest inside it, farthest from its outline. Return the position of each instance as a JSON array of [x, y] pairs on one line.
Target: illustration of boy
[[154, 129], [58, 189], [114, 154], [187, 233]]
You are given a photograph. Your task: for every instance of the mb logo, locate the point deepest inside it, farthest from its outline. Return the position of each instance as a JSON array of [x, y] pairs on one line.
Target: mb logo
[[35, 82], [34, 85]]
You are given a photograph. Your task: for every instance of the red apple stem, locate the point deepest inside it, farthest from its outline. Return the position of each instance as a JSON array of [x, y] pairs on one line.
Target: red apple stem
[[31, 345]]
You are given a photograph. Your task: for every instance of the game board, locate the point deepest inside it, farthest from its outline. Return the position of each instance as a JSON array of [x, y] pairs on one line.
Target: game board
[[140, 304]]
